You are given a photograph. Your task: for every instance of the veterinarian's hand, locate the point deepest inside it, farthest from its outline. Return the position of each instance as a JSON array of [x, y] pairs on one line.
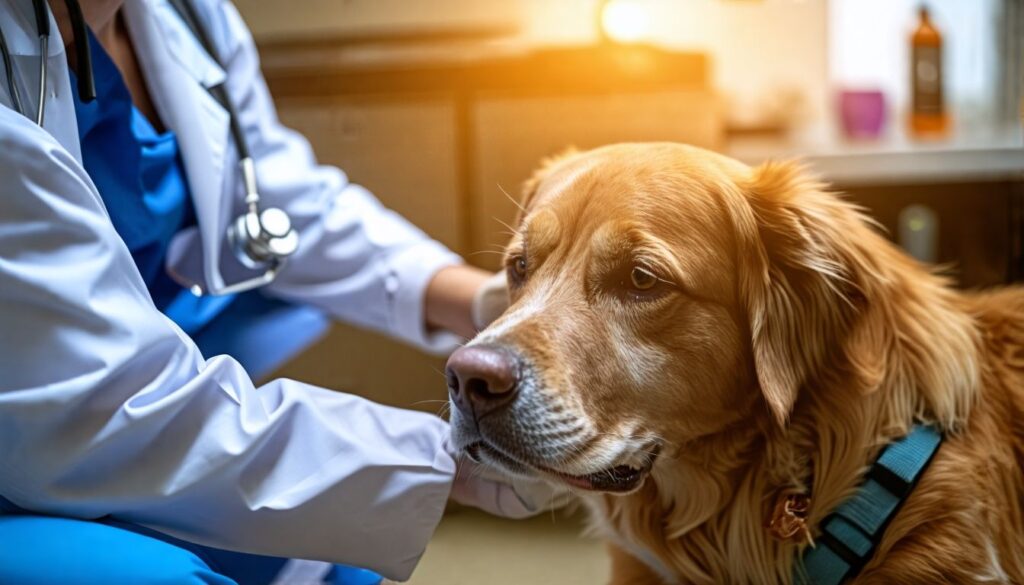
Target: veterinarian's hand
[[490, 301], [482, 487]]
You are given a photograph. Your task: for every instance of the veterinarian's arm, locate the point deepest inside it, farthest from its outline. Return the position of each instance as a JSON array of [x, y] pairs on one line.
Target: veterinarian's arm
[[108, 409], [464, 299]]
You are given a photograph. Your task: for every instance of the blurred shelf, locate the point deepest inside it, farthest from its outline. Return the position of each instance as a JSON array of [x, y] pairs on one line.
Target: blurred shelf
[[979, 155], [316, 68]]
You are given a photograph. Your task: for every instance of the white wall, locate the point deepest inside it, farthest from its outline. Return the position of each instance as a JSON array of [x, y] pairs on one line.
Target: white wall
[[759, 48], [870, 48]]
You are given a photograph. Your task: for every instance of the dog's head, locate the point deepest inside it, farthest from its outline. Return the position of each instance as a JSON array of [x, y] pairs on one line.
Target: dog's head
[[660, 294]]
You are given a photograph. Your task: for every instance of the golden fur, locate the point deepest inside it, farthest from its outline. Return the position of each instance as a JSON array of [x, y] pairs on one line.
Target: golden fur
[[793, 343]]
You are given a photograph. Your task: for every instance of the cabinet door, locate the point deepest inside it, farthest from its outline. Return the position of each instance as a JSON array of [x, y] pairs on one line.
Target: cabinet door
[[975, 236], [403, 151], [512, 134], [374, 366]]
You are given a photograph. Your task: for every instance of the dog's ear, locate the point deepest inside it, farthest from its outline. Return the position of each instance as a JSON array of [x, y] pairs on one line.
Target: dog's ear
[[531, 184], [797, 277]]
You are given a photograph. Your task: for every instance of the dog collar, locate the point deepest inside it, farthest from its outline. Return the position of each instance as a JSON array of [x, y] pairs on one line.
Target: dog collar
[[849, 536]]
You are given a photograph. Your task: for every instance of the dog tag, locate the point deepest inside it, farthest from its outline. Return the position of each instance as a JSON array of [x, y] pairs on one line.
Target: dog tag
[[789, 518]]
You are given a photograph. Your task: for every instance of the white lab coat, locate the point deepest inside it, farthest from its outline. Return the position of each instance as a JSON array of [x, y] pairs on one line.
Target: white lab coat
[[108, 408]]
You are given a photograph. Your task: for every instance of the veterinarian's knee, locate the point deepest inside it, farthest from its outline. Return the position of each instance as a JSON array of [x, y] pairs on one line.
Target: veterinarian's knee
[[44, 550]]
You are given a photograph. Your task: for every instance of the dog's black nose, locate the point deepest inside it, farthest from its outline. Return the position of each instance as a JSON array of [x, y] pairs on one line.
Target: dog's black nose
[[482, 379]]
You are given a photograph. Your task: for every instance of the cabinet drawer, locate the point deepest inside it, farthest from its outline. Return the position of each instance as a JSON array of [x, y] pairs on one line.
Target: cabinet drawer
[[374, 366], [402, 151]]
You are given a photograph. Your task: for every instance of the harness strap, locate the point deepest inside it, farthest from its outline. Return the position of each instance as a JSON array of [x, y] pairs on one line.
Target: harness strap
[[851, 533]]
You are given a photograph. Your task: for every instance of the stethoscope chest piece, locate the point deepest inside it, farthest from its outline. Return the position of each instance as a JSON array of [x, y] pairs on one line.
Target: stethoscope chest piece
[[261, 237]]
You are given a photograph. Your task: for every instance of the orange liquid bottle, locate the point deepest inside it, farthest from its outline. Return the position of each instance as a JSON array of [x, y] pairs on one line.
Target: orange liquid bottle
[[928, 116]]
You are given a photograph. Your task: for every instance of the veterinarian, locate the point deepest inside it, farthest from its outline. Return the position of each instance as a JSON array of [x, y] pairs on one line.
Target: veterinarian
[[163, 241]]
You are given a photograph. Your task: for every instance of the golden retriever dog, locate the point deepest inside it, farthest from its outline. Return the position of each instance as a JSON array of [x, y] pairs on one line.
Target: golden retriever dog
[[692, 340]]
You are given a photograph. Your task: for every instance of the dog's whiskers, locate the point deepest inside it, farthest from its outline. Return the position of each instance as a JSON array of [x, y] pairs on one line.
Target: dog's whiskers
[[479, 252], [510, 198], [511, 230]]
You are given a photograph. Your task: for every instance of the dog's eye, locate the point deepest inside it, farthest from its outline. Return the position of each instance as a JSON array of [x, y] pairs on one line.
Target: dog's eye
[[517, 268], [642, 279]]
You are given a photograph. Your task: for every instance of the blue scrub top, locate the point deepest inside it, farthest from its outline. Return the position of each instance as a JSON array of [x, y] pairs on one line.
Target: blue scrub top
[[139, 175]]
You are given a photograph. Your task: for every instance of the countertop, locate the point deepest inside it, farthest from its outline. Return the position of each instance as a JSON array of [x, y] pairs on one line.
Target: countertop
[[981, 154]]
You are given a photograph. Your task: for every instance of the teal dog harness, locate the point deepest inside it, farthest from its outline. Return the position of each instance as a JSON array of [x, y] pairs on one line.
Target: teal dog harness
[[850, 535]]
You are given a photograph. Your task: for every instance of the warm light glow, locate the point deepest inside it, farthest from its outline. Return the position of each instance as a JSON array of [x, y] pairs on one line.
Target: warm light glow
[[625, 21]]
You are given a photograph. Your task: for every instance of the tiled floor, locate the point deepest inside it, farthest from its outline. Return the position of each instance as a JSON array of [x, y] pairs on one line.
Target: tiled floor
[[471, 548]]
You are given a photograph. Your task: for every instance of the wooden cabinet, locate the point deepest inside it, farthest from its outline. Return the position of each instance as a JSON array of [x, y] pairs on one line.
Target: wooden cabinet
[[401, 150], [964, 194], [372, 365], [979, 224]]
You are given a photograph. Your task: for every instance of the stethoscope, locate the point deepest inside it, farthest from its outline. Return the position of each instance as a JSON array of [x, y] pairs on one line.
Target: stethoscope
[[259, 239]]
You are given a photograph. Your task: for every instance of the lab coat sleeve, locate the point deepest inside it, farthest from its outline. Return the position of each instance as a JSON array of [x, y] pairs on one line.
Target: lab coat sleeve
[[358, 260], [107, 408]]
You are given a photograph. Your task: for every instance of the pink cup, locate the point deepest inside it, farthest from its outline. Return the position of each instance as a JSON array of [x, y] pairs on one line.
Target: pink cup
[[862, 113]]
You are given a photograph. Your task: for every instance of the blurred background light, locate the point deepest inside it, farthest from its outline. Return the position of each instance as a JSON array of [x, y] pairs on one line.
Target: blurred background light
[[625, 21]]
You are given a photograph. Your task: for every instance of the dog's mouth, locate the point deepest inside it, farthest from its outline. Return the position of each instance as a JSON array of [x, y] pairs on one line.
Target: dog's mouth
[[618, 479]]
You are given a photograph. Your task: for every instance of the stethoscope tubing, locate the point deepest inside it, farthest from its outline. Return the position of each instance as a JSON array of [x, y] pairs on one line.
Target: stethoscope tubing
[[86, 80], [44, 49], [43, 28]]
